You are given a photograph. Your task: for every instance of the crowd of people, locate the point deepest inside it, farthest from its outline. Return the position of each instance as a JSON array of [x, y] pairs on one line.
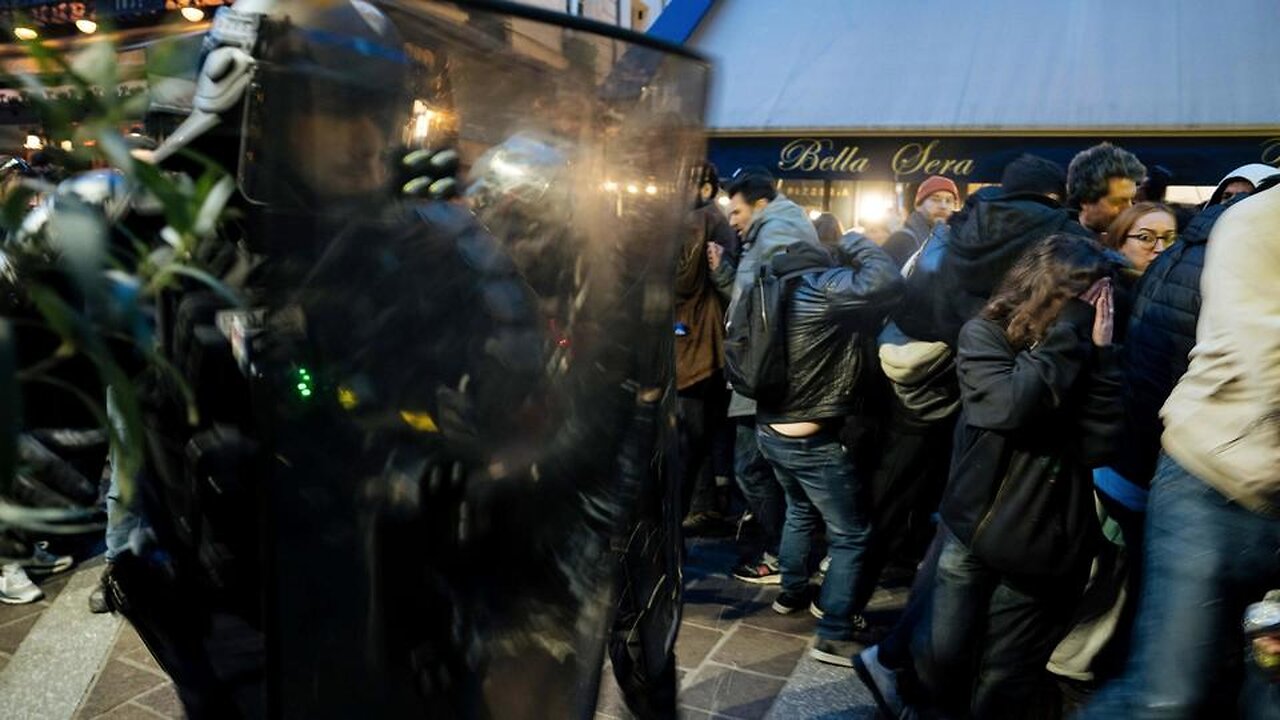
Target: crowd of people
[[1049, 407]]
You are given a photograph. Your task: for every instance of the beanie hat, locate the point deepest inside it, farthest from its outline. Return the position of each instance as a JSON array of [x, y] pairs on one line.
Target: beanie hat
[[1032, 174], [933, 184]]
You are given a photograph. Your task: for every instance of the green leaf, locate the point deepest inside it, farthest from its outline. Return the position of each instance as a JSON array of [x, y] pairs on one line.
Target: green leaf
[[202, 277]]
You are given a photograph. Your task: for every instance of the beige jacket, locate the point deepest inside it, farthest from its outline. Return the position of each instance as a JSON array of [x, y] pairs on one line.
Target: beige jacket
[[1222, 422]]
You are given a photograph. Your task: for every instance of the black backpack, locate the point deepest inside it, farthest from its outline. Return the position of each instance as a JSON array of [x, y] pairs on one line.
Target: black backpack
[[755, 344]]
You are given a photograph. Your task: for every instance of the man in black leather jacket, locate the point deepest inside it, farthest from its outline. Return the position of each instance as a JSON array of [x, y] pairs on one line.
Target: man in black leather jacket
[[829, 313]]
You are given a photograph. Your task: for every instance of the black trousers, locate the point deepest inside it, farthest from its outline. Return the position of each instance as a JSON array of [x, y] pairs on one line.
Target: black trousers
[[701, 414], [906, 488]]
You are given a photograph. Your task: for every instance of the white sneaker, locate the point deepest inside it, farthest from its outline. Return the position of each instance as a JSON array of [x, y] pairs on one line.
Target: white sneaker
[[881, 681], [16, 588]]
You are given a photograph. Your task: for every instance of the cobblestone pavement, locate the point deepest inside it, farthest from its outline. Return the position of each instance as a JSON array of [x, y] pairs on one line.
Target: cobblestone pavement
[[737, 658]]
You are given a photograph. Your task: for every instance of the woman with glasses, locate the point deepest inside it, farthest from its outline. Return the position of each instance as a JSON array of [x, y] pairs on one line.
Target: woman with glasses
[[1141, 233]]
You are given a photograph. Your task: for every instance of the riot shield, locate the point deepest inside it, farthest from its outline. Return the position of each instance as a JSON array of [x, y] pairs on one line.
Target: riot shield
[[466, 402]]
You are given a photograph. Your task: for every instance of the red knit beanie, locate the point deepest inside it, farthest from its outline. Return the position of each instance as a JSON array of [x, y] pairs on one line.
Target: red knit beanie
[[933, 184]]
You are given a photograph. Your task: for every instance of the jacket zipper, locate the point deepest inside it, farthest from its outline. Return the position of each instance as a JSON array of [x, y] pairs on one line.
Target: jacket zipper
[[986, 518]]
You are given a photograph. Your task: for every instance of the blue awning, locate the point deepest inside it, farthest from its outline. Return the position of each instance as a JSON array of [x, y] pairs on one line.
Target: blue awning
[[992, 66]]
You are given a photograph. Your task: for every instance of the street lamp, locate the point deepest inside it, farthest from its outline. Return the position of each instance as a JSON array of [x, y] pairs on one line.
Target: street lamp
[[25, 33], [191, 13], [86, 26]]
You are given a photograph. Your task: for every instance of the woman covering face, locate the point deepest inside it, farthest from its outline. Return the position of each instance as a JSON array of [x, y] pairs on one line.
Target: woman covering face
[[1142, 232]]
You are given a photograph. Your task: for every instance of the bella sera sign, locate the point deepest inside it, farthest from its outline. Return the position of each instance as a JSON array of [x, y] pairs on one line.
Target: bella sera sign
[[1192, 160], [809, 154]]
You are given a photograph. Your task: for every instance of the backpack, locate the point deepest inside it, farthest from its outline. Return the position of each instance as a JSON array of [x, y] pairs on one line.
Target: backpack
[[755, 344]]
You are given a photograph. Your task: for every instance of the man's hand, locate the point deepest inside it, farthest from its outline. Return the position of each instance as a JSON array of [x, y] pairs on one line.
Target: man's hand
[[715, 253]]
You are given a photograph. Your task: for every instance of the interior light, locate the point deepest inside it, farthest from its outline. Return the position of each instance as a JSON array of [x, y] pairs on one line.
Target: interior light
[[34, 143], [192, 14], [633, 189], [66, 145], [610, 186], [873, 207], [815, 214], [25, 33], [86, 26], [651, 189], [724, 201]]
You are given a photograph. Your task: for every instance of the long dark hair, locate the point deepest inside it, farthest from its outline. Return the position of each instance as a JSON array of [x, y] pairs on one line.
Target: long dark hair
[[1051, 272]]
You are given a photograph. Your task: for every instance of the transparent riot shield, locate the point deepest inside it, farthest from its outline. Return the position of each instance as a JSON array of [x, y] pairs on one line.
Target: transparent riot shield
[[466, 400]]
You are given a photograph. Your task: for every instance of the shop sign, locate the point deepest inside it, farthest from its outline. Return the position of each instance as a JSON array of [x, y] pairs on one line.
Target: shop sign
[[1192, 160]]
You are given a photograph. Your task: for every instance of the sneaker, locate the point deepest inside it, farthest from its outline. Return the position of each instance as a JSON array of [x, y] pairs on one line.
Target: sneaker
[[835, 652], [821, 573], [16, 588], [706, 524], [816, 611], [764, 571], [787, 603], [880, 681], [43, 562]]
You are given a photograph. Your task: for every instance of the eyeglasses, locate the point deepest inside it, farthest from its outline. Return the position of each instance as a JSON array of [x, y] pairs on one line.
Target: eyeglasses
[[1149, 239]]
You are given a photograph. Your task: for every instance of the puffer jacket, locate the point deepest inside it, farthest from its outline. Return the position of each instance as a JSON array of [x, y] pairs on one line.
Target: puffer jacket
[[988, 236], [1161, 333], [907, 240], [830, 315]]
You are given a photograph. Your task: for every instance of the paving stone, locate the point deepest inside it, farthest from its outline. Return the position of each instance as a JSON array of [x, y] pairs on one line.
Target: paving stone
[[117, 683], [760, 614], [717, 603], [142, 658], [733, 693], [816, 691], [610, 699], [54, 585], [128, 711], [163, 700], [761, 651], [13, 633], [128, 641], [9, 613], [693, 643], [4, 660]]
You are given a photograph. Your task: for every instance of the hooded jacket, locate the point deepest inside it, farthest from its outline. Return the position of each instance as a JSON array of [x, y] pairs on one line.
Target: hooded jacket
[[1255, 173], [906, 241], [829, 314], [1032, 422], [988, 235], [1222, 421], [779, 224]]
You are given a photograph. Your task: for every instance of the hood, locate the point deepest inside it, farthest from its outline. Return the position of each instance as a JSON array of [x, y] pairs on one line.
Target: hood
[[1255, 173], [786, 218], [988, 225], [989, 235]]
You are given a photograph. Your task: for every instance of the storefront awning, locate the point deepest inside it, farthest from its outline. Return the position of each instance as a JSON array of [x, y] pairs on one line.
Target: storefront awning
[[1006, 66]]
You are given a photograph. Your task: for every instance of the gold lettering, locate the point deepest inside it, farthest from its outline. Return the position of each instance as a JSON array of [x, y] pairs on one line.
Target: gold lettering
[[915, 158], [908, 159], [1271, 151], [809, 154], [802, 154]]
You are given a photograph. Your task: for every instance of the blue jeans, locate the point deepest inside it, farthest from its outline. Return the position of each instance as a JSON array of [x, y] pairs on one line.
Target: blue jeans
[[819, 481], [1206, 558], [122, 519], [985, 638], [759, 486]]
